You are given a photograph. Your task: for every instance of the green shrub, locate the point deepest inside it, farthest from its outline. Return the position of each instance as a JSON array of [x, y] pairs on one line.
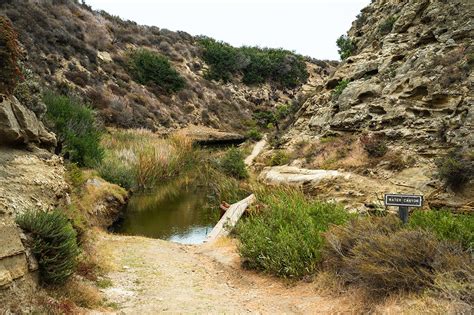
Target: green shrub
[[285, 238], [446, 225], [75, 175], [456, 169], [374, 145], [116, 172], [233, 164], [346, 46], [9, 56], [381, 255], [280, 157], [257, 65], [76, 127], [254, 134], [153, 69], [387, 25], [341, 86], [54, 244]]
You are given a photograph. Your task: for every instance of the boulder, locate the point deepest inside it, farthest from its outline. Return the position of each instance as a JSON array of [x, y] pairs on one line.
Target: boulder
[[19, 125]]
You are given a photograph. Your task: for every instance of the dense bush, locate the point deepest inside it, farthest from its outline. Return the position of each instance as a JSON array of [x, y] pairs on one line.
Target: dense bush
[[285, 239], [346, 47], [54, 244], [257, 65], [381, 255], [76, 128], [446, 226], [233, 164], [9, 55], [151, 68], [341, 86], [374, 145], [456, 169]]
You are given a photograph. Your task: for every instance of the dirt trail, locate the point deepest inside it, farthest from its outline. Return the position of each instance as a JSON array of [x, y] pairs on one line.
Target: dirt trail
[[152, 276]]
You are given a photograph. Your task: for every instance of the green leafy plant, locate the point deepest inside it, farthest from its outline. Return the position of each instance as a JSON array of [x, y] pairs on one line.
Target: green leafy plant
[[76, 127], [233, 164], [446, 225], [257, 65], [456, 169], [54, 244], [346, 46], [340, 87], [150, 68], [285, 238]]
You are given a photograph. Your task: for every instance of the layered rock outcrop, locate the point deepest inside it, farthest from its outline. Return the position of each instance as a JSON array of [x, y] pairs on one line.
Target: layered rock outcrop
[[410, 77], [19, 125]]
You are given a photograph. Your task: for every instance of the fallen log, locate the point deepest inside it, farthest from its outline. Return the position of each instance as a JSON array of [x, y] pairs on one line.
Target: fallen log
[[230, 218]]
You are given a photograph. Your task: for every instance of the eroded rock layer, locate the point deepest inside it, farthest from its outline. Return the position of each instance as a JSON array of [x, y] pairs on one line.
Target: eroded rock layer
[[409, 78]]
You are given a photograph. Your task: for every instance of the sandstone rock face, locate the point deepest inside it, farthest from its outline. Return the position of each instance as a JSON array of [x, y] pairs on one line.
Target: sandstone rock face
[[28, 180], [19, 125], [412, 83]]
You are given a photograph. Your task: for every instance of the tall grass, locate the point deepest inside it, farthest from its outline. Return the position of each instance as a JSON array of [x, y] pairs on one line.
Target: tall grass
[[139, 159], [286, 238]]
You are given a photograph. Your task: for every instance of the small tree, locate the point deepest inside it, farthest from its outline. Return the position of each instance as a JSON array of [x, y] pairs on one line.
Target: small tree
[[346, 46]]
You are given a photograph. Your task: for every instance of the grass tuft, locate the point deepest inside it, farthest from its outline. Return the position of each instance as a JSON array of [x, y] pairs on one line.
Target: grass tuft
[[54, 244]]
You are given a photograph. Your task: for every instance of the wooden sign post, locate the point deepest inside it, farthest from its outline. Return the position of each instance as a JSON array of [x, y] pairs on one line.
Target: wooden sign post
[[404, 202]]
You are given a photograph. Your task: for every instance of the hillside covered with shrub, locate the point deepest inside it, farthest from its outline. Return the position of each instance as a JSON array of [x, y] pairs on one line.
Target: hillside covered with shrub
[[144, 76]]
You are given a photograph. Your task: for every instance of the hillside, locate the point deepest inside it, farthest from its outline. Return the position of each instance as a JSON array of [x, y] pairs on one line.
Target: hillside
[[71, 48]]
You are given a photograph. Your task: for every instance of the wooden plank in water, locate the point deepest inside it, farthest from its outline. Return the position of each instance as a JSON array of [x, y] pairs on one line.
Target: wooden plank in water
[[230, 218]]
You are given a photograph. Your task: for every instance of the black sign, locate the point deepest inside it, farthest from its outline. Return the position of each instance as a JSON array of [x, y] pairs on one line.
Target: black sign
[[403, 200]]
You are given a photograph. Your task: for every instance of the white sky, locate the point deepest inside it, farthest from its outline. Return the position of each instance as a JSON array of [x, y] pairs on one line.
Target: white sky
[[309, 27]]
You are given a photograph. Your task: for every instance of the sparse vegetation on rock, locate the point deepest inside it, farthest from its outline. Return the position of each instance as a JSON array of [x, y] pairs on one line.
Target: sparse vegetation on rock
[[456, 169], [375, 145], [340, 87]]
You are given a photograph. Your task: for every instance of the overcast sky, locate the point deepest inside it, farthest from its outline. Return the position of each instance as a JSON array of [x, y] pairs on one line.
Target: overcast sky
[[309, 27]]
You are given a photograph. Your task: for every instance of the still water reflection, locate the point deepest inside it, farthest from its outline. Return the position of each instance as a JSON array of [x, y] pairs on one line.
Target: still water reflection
[[174, 212]]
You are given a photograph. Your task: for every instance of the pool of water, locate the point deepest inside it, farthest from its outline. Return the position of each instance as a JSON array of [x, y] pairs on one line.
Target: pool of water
[[174, 212]]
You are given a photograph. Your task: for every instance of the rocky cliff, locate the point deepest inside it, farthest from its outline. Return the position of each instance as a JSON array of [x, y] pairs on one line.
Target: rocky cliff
[[409, 77], [74, 49]]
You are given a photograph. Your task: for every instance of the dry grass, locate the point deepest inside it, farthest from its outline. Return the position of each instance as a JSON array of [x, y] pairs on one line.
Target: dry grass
[[332, 153], [144, 157], [383, 257]]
